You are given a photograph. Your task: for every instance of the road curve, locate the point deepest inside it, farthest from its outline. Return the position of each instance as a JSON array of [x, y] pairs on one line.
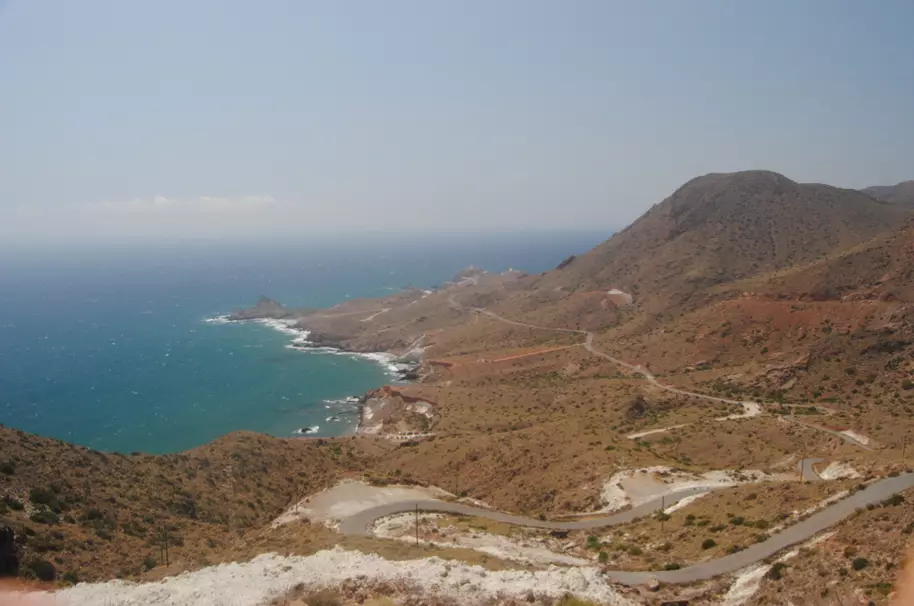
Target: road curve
[[359, 524], [751, 408]]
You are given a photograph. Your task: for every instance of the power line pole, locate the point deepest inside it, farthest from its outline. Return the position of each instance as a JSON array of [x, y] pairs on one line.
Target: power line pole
[[417, 524], [904, 446]]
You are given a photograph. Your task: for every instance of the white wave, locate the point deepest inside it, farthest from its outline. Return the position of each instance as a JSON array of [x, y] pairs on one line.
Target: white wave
[[307, 430], [224, 319], [300, 341]]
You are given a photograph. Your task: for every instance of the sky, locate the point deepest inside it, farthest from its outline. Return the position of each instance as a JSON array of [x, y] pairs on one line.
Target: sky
[[225, 118]]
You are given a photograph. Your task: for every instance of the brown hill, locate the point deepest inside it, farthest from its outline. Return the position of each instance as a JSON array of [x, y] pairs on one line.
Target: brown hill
[[901, 193], [723, 227], [84, 515], [879, 269]]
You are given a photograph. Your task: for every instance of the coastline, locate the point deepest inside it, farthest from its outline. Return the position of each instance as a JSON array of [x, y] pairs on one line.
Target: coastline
[[400, 371]]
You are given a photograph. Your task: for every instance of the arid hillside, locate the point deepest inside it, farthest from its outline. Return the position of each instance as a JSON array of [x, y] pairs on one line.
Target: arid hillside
[[93, 515], [741, 326], [901, 193], [723, 227]]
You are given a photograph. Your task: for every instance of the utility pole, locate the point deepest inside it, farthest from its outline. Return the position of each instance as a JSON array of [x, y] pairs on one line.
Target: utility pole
[[417, 524], [904, 446], [662, 511], [163, 544]]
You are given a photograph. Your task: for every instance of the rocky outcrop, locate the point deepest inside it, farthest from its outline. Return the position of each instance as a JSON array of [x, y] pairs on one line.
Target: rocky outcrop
[[265, 308], [566, 262], [389, 411]]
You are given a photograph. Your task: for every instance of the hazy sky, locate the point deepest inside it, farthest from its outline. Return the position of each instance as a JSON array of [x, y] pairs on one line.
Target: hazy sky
[[197, 117]]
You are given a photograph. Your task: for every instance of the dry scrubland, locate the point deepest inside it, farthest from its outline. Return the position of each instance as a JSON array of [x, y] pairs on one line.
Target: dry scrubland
[[745, 286]]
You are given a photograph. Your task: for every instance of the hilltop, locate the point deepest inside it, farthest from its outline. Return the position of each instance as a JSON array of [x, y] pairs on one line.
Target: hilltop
[[723, 227], [900, 193]]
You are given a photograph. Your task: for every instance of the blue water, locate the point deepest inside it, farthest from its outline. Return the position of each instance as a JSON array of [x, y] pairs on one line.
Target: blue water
[[107, 346]]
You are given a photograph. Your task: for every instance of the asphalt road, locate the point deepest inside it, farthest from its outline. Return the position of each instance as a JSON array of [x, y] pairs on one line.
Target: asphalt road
[[359, 524]]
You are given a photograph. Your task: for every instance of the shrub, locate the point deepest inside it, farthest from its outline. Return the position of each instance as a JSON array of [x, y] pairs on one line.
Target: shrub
[[860, 563], [634, 550], [42, 569], [850, 551], [761, 524], [45, 517], [672, 566], [7, 468], [734, 548], [325, 597], [592, 542], [663, 517], [71, 577], [149, 562], [603, 557], [892, 501], [775, 573], [907, 384], [708, 544], [41, 496], [738, 521], [716, 528]]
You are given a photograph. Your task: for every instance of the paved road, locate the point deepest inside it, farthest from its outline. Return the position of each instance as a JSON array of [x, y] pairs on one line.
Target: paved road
[[806, 470], [802, 531], [359, 524]]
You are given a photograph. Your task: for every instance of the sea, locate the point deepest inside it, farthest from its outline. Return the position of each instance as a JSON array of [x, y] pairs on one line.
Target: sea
[[109, 345]]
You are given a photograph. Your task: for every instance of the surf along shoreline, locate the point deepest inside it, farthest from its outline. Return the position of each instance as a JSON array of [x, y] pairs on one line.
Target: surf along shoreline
[[401, 368]]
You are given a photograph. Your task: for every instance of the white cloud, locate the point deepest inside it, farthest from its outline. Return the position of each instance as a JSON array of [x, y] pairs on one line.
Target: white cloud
[[200, 204]]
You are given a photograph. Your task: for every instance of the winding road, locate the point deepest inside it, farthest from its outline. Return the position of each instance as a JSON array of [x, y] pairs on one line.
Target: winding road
[[360, 524]]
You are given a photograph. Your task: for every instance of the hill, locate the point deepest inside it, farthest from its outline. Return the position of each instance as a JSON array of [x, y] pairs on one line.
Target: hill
[[901, 193], [93, 515], [723, 227]]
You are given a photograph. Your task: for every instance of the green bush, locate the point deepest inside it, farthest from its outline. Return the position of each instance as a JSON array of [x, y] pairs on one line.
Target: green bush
[[43, 570], [41, 496], [892, 501], [860, 563], [13, 503], [7, 468], [761, 524], [737, 521], [603, 557], [149, 562], [775, 573], [672, 566], [708, 544], [71, 577], [45, 517]]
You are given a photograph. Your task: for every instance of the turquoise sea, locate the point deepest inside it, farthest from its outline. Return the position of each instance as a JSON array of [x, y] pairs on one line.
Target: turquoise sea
[[107, 346]]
